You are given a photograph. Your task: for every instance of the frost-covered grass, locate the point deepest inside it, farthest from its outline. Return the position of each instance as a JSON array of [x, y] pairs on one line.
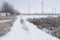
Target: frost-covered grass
[[5, 24], [52, 24]]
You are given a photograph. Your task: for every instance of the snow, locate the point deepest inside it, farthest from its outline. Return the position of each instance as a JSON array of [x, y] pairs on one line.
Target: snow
[[19, 32], [37, 16], [5, 20]]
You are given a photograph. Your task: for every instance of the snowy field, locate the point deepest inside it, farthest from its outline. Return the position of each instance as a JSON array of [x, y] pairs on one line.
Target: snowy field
[[26, 31], [37, 16]]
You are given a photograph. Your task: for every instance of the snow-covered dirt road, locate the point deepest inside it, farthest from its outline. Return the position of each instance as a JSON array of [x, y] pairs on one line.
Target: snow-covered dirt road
[[33, 33]]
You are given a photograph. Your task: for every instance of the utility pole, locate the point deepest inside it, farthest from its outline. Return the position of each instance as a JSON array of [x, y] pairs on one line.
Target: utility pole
[[42, 7], [52, 10], [29, 7], [55, 10]]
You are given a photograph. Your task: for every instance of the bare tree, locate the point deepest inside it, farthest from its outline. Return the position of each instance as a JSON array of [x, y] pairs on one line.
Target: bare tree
[[6, 7]]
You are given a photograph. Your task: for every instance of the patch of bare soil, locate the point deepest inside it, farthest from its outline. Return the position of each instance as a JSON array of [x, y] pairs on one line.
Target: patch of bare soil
[[5, 27], [7, 17], [50, 23]]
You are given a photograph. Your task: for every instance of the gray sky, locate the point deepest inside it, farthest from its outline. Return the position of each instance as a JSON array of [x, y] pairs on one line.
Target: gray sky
[[35, 5]]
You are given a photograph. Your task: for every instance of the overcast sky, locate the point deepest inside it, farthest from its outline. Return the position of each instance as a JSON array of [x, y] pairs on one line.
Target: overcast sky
[[35, 5]]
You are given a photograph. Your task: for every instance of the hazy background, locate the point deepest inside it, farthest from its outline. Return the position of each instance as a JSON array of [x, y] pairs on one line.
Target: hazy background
[[34, 5]]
